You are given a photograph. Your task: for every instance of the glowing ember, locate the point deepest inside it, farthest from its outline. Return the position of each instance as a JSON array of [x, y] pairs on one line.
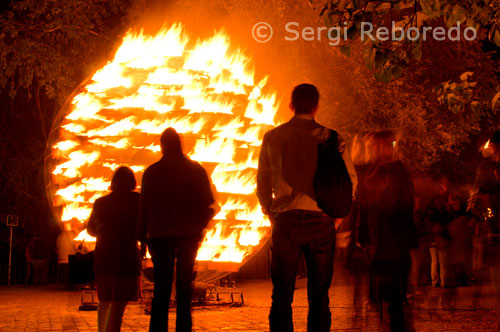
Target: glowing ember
[[206, 91]]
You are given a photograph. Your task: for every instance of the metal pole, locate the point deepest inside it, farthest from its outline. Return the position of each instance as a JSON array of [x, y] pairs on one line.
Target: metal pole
[[10, 255]]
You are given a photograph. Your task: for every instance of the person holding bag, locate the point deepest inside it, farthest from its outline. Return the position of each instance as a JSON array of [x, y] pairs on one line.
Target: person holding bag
[[291, 178]]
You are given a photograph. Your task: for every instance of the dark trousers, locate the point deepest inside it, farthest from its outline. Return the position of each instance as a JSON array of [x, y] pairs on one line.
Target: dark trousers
[[62, 273], [164, 252], [315, 238]]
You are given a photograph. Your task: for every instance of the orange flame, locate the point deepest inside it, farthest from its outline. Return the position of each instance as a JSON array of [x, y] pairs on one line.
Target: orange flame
[[207, 92]]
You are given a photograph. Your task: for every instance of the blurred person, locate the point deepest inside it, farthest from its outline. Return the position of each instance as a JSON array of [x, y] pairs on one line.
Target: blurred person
[[287, 165], [40, 254], [376, 146], [391, 232], [65, 246], [478, 244], [478, 248], [460, 229], [176, 206], [363, 201], [437, 218], [426, 190], [356, 256], [28, 256], [114, 221]]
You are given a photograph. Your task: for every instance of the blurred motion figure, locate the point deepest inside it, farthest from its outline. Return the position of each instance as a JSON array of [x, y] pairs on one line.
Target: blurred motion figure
[[66, 246], [390, 232]]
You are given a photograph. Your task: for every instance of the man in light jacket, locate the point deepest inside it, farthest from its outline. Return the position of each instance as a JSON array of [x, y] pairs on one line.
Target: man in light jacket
[[287, 164]]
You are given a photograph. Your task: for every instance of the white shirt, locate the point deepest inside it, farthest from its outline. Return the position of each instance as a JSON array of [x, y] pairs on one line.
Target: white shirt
[[287, 164]]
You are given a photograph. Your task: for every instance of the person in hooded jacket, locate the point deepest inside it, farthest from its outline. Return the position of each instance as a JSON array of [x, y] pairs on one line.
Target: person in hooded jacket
[[176, 206]]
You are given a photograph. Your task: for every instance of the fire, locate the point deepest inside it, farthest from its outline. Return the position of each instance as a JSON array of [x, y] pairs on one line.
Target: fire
[[206, 90]]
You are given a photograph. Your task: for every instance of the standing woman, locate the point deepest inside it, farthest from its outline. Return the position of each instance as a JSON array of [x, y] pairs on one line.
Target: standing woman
[[391, 229], [114, 222]]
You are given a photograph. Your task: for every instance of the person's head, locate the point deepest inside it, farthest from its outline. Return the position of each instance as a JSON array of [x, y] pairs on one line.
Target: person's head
[[67, 225], [123, 179], [170, 142], [305, 98], [382, 146], [76, 225], [443, 186], [361, 146], [456, 201]]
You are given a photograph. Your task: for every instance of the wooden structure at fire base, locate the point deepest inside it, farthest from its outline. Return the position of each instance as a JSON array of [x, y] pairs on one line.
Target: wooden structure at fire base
[[212, 287], [204, 295], [206, 90]]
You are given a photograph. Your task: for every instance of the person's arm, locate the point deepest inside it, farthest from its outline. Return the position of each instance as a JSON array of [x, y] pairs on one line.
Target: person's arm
[[91, 224], [346, 156], [206, 195], [214, 206], [264, 186], [141, 232]]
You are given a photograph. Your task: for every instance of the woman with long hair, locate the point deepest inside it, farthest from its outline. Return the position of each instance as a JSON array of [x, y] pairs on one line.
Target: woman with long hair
[[114, 221], [391, 230]]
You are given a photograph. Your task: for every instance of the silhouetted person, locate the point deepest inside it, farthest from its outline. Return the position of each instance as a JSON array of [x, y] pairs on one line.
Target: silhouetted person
[[28, 255], [460, 229], [65, 246], [426, 190], [391, 229], [176, 199], [287, 164], [114, 221]]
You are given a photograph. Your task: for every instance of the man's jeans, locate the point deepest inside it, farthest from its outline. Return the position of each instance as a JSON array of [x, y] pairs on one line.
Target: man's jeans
[[164, 251], [439, 266], [314, 236]]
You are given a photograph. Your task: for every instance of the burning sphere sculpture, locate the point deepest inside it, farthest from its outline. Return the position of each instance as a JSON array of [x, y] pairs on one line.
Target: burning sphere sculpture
[[206, 91]]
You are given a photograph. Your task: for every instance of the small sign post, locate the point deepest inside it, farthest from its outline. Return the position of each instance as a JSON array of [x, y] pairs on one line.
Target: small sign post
[[12, 221]]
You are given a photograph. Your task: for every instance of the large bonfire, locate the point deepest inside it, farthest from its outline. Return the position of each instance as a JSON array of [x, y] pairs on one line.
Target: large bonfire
[[206, 91]]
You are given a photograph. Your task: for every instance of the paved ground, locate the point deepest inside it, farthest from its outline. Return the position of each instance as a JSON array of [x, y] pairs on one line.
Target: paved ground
[[45, 308]]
